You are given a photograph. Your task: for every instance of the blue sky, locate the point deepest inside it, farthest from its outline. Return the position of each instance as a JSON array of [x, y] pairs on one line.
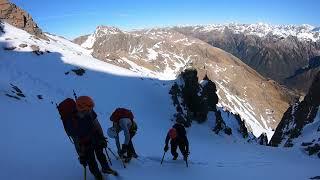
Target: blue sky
[[71, 18]]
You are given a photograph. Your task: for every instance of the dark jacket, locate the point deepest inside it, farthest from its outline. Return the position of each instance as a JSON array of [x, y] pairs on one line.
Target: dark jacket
[[181, 136], [89, 130]]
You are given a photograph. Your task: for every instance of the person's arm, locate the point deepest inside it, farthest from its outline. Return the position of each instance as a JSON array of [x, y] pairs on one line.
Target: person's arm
[[167, 139], [124, 126]]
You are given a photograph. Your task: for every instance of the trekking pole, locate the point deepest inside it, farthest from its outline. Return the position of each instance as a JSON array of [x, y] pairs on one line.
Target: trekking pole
[[108, 156], [163, 157], [124, 165], [85, 172], [113, 153], [118, 158], [186, 159]]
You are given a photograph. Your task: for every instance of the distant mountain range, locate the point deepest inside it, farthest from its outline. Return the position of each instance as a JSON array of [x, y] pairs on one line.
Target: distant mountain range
[[275, 51], [165, 52]]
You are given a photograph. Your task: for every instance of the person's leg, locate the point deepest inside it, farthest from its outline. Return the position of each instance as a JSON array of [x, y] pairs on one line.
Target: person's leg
[[174, 147], [131, 151], [102, 158], [92, 163], [182, 148]]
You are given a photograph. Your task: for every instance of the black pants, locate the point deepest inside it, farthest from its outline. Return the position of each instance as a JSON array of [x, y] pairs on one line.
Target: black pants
[[92, 163], [174, 147], [131, 151]]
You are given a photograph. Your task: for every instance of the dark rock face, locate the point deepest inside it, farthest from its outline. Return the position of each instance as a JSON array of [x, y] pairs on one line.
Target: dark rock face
[[81, 39], [273, 57], [221, 125], [1, 28], [298, 115], [17, 17], [193, 100], [16, 93], [313, 149], [209, 94], [305, 75], [263, 139], [243, 129]]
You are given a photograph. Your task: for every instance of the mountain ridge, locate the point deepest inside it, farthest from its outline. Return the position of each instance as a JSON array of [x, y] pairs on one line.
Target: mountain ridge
[[165, 53], [272, 56]]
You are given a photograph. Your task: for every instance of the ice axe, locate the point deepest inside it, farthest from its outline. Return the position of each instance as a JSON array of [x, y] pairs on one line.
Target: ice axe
[[108, 156], [118, 158]]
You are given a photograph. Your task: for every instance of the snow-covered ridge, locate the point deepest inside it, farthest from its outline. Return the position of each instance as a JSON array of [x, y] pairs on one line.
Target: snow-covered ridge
[[108, 29], [99, 32], [302, 32]]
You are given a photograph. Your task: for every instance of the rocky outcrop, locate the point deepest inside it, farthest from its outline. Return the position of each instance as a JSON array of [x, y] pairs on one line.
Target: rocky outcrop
[[305, 75], [1, 28], [220, 125], [263, 139], [191, 99], [17, 17], [298, 116], [80, 39], [274, 57], [242, 127]]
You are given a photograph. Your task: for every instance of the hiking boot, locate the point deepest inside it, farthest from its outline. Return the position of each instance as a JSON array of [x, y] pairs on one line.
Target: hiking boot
[[98, 177], [127, 159], [134, 155], [109, 171]]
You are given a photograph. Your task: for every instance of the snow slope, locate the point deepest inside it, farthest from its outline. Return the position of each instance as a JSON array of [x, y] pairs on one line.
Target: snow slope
[[34, 145], [310, 132]]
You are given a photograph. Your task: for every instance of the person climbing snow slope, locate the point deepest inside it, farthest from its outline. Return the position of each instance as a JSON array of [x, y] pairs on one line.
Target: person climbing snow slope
[[123, 121]]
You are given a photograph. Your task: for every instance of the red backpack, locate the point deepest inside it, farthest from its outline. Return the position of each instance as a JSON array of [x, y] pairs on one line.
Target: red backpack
[[120, 113], [67, 110]]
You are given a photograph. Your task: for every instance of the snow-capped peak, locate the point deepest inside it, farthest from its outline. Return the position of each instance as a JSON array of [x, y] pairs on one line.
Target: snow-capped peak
[[302, 32], [108, 30], [100, 32]]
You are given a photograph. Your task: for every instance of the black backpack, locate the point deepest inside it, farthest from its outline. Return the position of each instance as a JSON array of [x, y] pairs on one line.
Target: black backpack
[[85, 124], [181, 131]]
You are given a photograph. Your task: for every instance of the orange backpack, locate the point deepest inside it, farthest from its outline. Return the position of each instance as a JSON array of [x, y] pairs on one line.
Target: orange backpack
[[120, 113]]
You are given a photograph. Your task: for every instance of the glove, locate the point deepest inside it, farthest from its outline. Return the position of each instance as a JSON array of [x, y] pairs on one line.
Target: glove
[[83, 160], [124, 149], [166, 148]]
